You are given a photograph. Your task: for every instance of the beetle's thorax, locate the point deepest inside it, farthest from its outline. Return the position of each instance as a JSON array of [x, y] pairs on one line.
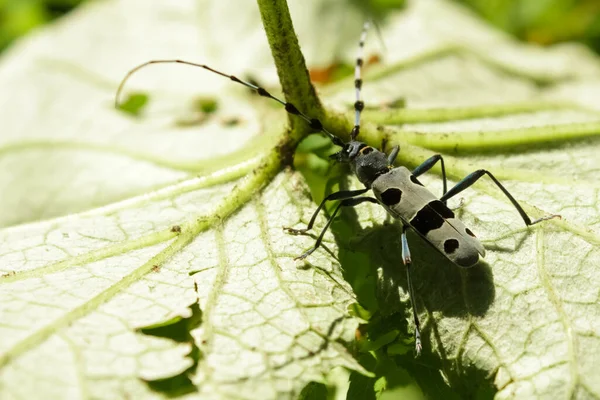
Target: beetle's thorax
[[366, 162]]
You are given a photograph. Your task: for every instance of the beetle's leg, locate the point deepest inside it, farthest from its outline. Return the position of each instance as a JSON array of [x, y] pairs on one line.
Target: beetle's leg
[[427, 165], [474, 176], [344, 203], [393, 155], [341, 195], [406, 259]]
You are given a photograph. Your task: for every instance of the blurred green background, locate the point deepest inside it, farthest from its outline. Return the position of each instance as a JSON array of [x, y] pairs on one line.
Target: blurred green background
[[544, 21], [17, 17], [538, 21]]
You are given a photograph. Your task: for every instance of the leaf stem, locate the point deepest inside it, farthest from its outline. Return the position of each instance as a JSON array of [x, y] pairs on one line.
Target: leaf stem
[[424, 115], [291, 67], [505, 139]]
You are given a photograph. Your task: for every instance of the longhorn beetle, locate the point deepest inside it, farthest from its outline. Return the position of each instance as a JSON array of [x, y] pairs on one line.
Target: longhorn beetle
[[396, 189]]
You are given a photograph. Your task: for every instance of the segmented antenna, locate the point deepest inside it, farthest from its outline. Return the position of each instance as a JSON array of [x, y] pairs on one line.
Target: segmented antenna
[[359, 105], [314, 123]]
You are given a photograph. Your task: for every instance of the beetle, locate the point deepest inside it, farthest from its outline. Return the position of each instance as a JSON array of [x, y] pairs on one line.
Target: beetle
[[405, 198]]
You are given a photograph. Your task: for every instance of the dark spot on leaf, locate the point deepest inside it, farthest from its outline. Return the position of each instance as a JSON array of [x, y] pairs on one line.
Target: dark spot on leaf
[[206, 105], [134, 104], [231, 121]]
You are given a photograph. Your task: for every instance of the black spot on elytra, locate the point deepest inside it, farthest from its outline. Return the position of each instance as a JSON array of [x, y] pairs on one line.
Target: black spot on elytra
[[441, 209], [469, 232], [366, 150], [391, 196], [427, 219], [450, 246], [414, 180]]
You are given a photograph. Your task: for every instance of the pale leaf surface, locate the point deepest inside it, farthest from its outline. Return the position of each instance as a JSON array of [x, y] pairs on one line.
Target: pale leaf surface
[[90, 198]]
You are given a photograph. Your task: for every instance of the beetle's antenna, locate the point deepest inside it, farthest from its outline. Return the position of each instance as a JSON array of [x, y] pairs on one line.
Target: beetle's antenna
[[314, 123], [359, 105]]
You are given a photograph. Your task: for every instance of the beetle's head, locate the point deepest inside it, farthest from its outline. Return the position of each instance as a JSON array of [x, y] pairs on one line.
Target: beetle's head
[[348, 152]]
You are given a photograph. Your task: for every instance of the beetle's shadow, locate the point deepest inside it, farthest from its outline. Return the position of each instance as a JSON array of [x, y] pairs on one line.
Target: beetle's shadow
[[371, 261], [440, 285]]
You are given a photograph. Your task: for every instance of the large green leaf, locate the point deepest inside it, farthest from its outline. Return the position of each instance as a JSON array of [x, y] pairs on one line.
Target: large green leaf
[[107, 214]]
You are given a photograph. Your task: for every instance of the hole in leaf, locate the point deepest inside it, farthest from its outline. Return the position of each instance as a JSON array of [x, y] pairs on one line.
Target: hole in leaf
[[177, 329]]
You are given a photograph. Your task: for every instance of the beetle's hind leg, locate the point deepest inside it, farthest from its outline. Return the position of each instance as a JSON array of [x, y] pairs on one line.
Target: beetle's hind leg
[[406, 259], [474, 176]]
